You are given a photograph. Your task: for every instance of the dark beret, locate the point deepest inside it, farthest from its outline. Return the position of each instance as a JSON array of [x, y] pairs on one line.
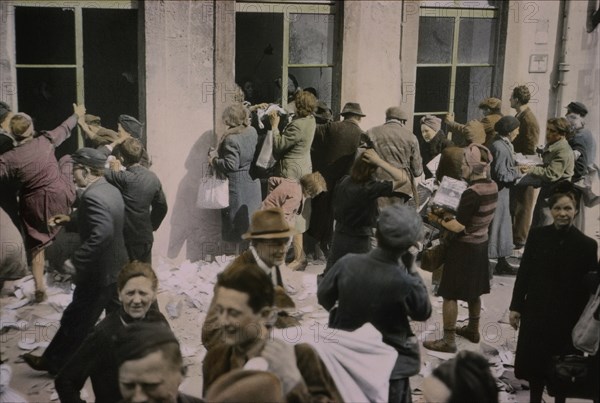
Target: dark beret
[[89, 157], [132, 126], [578, 108], [506, 124], [139, 339], [400, 226]]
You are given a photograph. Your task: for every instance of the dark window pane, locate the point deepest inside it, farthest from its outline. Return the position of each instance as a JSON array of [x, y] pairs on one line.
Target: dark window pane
[[47, 95], [110, 60], [45, 35], [311, 39], [433, 89], [473, 84], [258, 53], [435, 40], [318, 78], [477, 40]]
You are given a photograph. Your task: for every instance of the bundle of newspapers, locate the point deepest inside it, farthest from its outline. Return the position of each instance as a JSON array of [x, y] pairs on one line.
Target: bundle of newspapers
[[448, 194]]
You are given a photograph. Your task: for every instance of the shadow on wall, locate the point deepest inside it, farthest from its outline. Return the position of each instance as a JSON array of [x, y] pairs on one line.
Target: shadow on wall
[[198, 229]]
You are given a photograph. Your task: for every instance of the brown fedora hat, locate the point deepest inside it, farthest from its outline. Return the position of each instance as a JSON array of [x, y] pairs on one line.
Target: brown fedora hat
[[352, 108], [269, 224]]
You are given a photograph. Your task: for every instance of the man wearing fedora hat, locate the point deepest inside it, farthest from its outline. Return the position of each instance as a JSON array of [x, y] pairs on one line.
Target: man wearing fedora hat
[[333, 149], [270, 237], [398, 146], [97, 261]]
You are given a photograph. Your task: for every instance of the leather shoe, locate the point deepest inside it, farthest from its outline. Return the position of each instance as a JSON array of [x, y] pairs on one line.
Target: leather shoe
[[39, 363], [503, 267]]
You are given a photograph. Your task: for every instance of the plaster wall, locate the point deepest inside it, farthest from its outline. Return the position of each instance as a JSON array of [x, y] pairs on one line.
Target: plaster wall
[[532, 29], [582, 81], [371, 57], [179, 44], [8, 71]]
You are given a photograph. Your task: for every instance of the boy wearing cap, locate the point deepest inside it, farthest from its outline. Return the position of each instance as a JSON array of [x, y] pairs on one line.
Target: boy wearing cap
[[145, 201], [383, 287], [97, 260], [399, 147]]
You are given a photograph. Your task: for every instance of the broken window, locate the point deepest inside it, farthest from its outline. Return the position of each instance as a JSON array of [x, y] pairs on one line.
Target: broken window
[[78, 53], [275, 40]]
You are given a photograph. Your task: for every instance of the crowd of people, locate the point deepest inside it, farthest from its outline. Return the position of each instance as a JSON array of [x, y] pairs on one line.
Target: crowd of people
[[353, 196]]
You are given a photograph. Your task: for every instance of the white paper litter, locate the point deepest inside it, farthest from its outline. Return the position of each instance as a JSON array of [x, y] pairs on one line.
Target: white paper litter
[[32, 345]]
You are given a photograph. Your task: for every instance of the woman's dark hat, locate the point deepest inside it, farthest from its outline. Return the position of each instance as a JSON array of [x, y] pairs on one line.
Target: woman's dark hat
[[506, 124], [352, 108]]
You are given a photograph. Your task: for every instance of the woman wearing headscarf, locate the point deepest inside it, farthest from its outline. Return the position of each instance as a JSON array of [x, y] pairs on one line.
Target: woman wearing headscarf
[[550, 291], [466, 276], [431, 130], [46, 185], [235, 154], [504, 172]]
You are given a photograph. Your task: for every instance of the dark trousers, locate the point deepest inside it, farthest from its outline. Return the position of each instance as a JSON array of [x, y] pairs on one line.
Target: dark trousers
[[141, 252], [78, 320], [400, 391]]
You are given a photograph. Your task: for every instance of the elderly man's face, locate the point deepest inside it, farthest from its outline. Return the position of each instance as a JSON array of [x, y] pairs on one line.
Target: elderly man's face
[[272, 251], [150, 379]]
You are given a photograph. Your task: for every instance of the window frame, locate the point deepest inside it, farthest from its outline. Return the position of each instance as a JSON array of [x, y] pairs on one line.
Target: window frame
[[325, 7], [77, 8], [457, 13]]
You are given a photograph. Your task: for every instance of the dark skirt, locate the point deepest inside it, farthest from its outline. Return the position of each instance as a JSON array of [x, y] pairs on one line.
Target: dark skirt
[[466, 275]]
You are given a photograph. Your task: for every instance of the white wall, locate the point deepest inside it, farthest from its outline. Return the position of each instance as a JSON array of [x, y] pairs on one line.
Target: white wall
[[179, 111], [371, 57], [530, 22]]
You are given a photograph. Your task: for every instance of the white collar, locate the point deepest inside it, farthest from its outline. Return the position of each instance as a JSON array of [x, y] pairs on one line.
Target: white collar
[[268, 270]]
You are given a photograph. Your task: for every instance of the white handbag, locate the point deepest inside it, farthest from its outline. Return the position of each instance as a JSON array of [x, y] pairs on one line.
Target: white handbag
[[586, 333], [213, 191]]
